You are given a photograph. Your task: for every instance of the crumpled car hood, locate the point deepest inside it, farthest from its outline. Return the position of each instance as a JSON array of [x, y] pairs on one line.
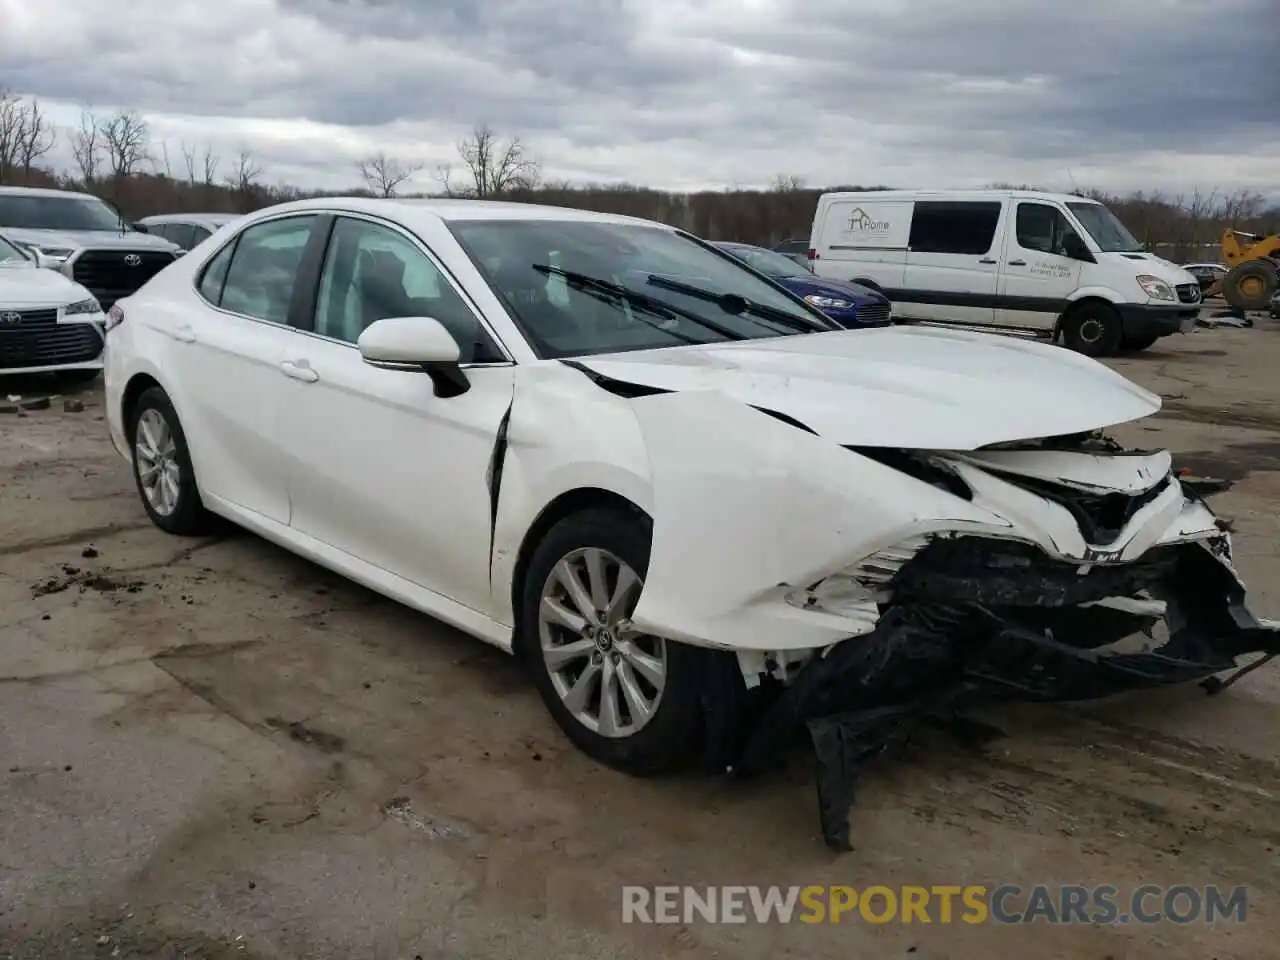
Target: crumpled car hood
[[918, 388]]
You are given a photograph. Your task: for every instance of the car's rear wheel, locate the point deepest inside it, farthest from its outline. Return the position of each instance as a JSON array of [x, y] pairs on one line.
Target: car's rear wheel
[[624, 698], [162, 467]]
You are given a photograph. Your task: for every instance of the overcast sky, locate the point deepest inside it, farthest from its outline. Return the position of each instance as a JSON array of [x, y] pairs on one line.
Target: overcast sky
[[687, 94]]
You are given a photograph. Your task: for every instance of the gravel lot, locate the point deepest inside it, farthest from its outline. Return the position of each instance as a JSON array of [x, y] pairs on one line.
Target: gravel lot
[[212, 749]]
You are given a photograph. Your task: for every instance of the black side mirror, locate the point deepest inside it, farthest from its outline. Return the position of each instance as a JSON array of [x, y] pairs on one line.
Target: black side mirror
[[1076, 250], [140, 227]]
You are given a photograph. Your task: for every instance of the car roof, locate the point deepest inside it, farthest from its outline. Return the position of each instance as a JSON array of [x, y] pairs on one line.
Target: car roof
[[455, 209], [958, 195], [190, 217]]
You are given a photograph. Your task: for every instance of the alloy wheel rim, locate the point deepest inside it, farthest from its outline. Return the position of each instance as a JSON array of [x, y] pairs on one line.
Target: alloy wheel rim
[[156, 456], [607, 674]]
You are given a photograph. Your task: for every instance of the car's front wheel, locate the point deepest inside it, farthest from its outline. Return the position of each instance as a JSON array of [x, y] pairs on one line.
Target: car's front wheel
[[162, 467], [624, 698]]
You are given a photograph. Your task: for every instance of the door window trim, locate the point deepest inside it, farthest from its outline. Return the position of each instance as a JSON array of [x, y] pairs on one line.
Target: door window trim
[[317, 268]]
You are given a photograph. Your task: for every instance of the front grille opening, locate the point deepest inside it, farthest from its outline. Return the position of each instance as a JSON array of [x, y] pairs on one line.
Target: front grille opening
[[1100, 516], [111, 275]]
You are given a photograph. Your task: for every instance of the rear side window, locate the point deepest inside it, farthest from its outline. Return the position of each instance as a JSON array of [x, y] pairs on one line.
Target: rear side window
[[964, 227], [215, 275], [263, 267], [179, 233]]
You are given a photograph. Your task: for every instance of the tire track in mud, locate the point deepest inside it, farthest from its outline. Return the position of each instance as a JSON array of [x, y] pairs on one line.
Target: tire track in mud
[[1245, 415]]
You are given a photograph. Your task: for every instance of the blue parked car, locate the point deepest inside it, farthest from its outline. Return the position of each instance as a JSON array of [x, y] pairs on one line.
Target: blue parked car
[[848, 304]]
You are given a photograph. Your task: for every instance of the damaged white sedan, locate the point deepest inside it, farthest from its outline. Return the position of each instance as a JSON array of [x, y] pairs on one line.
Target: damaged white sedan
[[707, 519]]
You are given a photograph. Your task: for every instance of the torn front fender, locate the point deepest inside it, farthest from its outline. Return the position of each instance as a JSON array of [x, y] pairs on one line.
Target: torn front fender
[[748, 508]]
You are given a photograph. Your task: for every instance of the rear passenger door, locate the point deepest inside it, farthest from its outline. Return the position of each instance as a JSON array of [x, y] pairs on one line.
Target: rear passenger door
[[952, 271], [225, 360]]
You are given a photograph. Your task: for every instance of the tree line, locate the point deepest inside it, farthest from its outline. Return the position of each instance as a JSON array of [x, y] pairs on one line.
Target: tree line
[[116, 157]]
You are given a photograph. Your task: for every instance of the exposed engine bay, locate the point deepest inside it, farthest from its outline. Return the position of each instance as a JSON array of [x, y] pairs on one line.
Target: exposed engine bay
[[1138, 591]]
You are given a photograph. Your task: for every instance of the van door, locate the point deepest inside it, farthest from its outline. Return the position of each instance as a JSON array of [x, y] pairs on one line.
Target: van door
[[1037, 275], [952, 267], [862, 240]]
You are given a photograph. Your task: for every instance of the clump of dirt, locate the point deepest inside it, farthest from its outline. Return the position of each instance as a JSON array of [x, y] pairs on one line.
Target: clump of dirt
[[85, 580]]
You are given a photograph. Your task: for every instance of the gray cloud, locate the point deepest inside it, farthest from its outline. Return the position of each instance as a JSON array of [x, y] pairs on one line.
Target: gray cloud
[[706, 89]]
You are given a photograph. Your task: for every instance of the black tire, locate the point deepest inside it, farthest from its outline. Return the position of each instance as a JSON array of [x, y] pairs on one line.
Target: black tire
[[78, 378], [672, 737], [189, 516], [1139, 343], [1094, 329], [1251, 285]]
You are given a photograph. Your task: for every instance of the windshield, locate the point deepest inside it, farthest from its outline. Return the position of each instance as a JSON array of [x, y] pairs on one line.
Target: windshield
[[43, 212], [11, 254], [771, 264], [1105, 227], [582, 287]]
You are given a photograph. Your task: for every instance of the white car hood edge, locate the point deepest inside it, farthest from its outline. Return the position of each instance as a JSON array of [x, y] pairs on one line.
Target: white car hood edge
[[917, 388]]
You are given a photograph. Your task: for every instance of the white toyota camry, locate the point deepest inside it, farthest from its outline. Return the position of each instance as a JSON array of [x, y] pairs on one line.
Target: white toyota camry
[[707, 519]]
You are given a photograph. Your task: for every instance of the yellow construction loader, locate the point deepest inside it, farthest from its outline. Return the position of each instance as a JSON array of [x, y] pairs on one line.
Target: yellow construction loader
[[1254, 270]]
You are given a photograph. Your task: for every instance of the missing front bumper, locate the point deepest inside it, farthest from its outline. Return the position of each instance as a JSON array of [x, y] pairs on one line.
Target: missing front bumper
[[976, 621]]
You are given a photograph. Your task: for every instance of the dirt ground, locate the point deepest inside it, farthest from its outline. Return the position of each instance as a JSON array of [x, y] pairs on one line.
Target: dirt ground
[[209, 748]]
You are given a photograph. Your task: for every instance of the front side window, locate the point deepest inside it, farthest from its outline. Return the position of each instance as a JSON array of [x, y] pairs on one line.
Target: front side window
[[52, 212], [1044, 228], [963, 227], [263, 267], [623, 287], [372, 272], [1108, 232]]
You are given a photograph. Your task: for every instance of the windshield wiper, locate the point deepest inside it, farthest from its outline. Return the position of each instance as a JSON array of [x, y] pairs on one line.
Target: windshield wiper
[[638, 299], [736, 304]]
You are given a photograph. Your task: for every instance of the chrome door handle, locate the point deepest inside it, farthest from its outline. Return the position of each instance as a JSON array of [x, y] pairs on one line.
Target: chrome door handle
[[299, 372], [1017, 263]]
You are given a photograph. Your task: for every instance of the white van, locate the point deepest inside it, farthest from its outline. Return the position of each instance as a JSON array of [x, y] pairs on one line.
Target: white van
[[1049, 264]]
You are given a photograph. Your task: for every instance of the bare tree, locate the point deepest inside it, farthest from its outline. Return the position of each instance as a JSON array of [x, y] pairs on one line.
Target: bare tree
[[383, 174], [87, 146], [12, 123], [126, 140], [38, 137], [492, 168], [784, 183], [245, 174]]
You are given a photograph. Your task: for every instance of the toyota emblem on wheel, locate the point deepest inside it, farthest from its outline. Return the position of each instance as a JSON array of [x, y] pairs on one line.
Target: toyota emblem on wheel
[[133, 260], [10, 317]]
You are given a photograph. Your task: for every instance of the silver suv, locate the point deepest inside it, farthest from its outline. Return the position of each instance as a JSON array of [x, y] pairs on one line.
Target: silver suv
[[85, 239]]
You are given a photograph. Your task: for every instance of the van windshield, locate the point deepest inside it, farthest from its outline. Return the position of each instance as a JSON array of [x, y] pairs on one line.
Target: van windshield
[[1105, 227]]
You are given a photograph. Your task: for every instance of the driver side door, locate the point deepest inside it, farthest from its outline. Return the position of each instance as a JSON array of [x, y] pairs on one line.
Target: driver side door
[[1037, 276], [379, 467]]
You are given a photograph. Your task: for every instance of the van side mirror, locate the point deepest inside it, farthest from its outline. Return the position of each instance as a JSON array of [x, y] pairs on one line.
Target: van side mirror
[[140, 227], [1075, 248]]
